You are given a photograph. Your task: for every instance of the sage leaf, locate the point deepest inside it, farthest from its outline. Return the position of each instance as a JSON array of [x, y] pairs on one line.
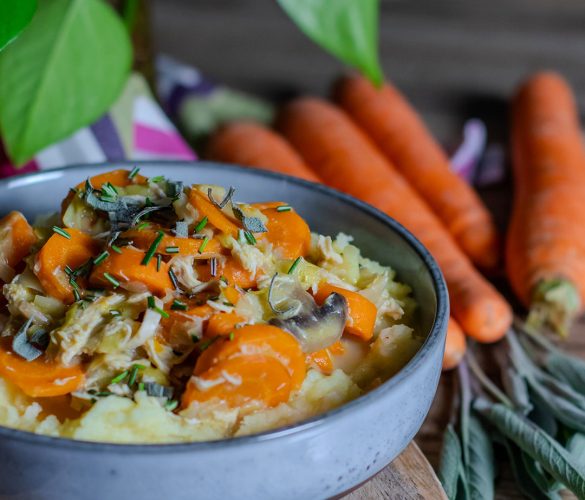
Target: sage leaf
[[348, 29], [576, 447], [62, 73], [517, 389], [451, 462], [537, 444], [480, 468], [541, 478], [15, 16], [524, 480], [567, 368]]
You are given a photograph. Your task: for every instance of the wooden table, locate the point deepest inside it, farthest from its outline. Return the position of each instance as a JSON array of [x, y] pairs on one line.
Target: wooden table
[[455, 59]]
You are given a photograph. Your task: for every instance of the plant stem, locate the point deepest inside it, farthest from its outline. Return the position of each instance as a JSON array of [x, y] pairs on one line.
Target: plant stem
[[486, 383]]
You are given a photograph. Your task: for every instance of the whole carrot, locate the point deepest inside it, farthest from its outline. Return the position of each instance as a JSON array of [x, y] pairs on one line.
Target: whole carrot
[[455, 346], [253, 145], [546, 243], [396, 128], [345, 158]]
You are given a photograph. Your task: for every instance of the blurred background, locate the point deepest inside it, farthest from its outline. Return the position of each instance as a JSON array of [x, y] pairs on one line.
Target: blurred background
[[453, 58]]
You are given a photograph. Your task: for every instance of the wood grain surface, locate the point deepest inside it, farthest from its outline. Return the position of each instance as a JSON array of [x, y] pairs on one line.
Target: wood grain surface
[[455, 59]]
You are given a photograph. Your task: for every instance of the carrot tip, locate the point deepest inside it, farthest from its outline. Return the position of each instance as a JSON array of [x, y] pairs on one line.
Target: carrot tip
[[555, 303]]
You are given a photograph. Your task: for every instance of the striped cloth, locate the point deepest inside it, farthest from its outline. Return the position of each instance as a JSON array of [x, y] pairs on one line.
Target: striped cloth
[[137, 128]]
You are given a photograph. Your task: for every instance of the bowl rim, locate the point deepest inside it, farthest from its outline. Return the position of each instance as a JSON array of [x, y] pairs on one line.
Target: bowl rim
[[430, 343]]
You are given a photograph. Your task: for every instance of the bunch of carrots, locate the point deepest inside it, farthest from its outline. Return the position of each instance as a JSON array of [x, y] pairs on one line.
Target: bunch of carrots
[[371, 143]]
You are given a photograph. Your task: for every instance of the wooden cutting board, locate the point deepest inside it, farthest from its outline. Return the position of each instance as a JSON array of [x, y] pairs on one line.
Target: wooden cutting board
[[410, 476]]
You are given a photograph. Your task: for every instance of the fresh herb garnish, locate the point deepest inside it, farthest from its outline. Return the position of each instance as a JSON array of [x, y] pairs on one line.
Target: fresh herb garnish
[[157, 179], [213, 266], [120, 377], [101, 257], [201, 224], [203, 244], [21, 344], [152, 305], [294, 265], [171, 405], [61, 232], [158, 261], [182, 229], [250, 238], [143, 226], [284, 208], [112, 280], [172, 249], [134, 374], [206, 343], [152, 249], [232, 335], [158, 391], [174, 279], [133, 173], [223, 279], [223, 202], [177, 305], [251, 224], [141, 386], [116, 249]]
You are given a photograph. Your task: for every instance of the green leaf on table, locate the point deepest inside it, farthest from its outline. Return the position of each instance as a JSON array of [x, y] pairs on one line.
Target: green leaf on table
[[567, 368], [537, 444], [348, 29], [451, 463], [14, 17], [576, 447], [480, 467], [61, 74]]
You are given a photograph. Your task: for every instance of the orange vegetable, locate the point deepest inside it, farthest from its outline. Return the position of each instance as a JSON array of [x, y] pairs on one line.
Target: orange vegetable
[[231, 269], [187, 246], [59, 252], [455, 346], [397, 129], [323, 359], [127, 268], [253, 145], [214, 215], [174, 327], [361, 312], [16, 240], [344, 158], [546, 249], [39, 378], [261, 366], [223, 324], [231, 294], [287, 231]]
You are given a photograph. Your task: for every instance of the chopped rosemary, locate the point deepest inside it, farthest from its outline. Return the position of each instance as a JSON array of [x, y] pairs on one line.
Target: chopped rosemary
[[120, 377], [213, 266], [157, 179], [101, 257], [223, 202], [171, 405], [152, 249], [116, 249], [201, 224], [133, 173], [112, 280], [61, 232], [294, 265], [250, 238], [143, 226], [172, 249], [174, 280], [204, 244], [177, 305], [284, 208], [158, 261]]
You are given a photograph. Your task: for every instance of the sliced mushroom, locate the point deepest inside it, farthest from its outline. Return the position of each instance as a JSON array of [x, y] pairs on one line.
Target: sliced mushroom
[[314, 326]]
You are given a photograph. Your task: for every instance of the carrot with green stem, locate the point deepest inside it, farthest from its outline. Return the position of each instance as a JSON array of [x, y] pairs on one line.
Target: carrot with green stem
[[253, 145], [397, 129], [345, 158], [545, 248]]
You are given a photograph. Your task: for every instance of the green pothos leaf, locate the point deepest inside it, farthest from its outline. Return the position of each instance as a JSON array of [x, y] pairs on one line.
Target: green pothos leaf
[[348, 29], [14, 17], [62, 73], [553, 458]]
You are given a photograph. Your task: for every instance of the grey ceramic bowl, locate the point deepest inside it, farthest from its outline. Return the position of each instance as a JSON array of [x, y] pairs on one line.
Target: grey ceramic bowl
[[317, 458]]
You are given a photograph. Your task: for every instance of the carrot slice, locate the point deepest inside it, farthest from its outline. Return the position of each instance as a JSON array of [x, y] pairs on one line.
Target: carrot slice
[[127, 268], [223, 324], [187, 246], [59, 252], [16, 240], [262, 364], [39, 378], [287, 231], [232, 294], [214, 215], [253, 145], [323, 360], [231, 269], [361, 312]]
